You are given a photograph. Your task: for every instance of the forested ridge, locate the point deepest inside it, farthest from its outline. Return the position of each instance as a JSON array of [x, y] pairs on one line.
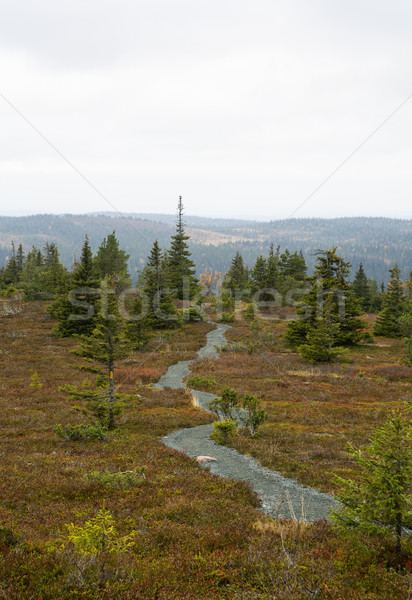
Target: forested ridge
[[376, 242]]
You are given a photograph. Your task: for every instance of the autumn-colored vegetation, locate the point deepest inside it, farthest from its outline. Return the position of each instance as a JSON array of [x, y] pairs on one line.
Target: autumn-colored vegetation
[[198, 536], [313, 410]]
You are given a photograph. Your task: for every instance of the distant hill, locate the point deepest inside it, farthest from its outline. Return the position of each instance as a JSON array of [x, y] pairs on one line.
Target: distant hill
[[376, 242]]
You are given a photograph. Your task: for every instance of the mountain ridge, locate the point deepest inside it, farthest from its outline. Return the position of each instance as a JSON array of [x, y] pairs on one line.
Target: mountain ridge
[[377, 242]]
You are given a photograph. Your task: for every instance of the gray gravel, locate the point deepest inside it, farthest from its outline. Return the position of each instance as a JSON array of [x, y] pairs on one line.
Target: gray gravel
[[175, 374], [279, 496]]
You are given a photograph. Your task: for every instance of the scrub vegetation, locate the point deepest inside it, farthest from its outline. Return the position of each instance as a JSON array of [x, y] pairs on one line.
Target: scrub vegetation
[[94, 506], [193, 535]]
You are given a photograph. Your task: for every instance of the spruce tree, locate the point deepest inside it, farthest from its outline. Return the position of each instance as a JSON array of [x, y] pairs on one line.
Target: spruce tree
[[321, 336], [329, 302], [292, 266], [259, 275], [237, 278], [405, 321], [111, 261], [32, 275], [394, 303], [106, 345], [375, 296], [55, 276], [11, 275], [136, 323], [161, 312], [361, 289], [273, 274], [379, 502], [20, 261], [43, 276], [76, 311], [183, 282]]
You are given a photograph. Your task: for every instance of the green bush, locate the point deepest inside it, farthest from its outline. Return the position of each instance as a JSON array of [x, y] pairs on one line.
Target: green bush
[[192, 314], [249, 312], [201, 382], [8, 538], [95, 554], [78, 433], [226, 404], [254, 413], [121, 480], [227, 317], [316, 354], [223, 430]]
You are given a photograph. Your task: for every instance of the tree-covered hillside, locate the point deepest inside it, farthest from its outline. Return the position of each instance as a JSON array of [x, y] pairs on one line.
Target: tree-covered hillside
[[376, 242]]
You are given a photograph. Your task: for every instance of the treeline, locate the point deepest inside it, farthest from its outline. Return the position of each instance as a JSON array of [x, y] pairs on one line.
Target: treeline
[[329, 310], [328, 305], [376, 242], [79, 293], [281, 278]]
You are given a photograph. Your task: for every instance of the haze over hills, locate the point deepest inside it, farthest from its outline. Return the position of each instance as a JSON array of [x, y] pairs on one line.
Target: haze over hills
[[377, 242]]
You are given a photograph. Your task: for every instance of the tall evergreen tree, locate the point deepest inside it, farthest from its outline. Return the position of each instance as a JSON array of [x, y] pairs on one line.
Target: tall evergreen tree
[[394, 304], [361, 288], [20, 261], [76, 311], [379, 503], [11, 275], [329, 289], [181, 267], [405, 321], [161, 312], [237, 278], [375, 296], [84, 273], [273, 274], [259, 275], [292, 266], [111, 261], [321, 338], [136, 320], [106, 345], [55, 274], [43, 275]]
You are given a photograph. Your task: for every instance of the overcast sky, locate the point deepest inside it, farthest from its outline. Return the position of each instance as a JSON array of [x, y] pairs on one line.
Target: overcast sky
[[244, 108]]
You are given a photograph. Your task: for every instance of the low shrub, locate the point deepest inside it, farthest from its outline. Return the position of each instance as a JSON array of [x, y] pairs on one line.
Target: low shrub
[[95, 553], [121, 480], [79, 433], [7, 537], [99, 534], [254, 413], [227, 317], [394, 372], [223, 430], [226, 404], [192, 315], [200, 382]]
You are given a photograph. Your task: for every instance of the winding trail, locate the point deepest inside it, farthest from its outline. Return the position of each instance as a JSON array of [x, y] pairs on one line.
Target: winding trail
[[279, 496]]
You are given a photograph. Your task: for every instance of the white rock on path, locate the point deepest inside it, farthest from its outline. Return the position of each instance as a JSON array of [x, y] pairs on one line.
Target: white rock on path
[[204, 459]]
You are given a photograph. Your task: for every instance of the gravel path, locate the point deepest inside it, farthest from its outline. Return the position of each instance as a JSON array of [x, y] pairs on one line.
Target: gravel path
[[279, 496], [176, 373]]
